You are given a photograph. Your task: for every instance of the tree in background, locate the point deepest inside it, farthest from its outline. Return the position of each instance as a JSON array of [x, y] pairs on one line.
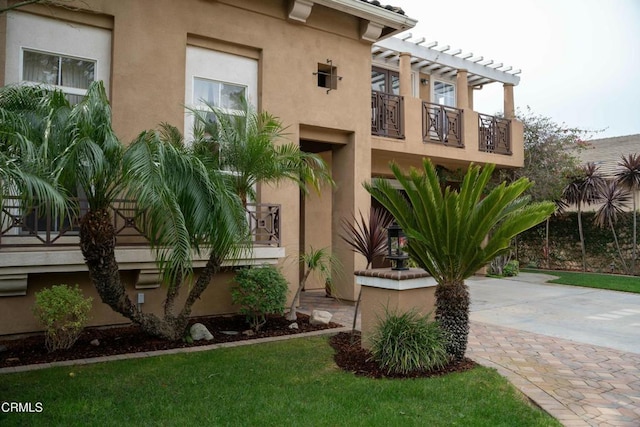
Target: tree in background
[[614, 199], [584, 188], [454, 233], [628, 175]]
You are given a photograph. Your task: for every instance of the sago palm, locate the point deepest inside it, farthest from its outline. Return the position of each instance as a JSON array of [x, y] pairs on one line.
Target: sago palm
[[454, 233], [628, 175]]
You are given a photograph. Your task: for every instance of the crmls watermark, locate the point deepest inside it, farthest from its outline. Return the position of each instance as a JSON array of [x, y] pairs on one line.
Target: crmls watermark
[[21, 407]]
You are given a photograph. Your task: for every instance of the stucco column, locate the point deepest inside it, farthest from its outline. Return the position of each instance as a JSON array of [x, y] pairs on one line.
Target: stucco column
[[351, 167], [462, 91], [405, 74], [470, 95], [509, 105]]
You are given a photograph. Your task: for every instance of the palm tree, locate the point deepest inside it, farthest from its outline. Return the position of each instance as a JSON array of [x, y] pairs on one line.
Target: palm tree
[[560, 206], [614, 200], [629, 176], [244, 144], [452, 234], [31, 118], [367, 239], [318, 261], [584, 188]]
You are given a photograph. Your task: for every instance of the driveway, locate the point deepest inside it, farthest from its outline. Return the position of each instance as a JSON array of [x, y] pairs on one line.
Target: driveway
[[604, 318]]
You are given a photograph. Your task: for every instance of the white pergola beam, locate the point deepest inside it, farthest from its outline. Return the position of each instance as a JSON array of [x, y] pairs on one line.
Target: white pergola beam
[[440, 59]]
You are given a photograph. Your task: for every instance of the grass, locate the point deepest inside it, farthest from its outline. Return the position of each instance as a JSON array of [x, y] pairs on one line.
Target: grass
[[292, 382], [613, 282]]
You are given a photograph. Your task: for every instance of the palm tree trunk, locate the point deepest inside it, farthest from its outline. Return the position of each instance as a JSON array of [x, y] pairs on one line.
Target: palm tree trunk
[[97, 243], [452, 313], [615, 238], [582, 248], [546, 245], [633, 259]]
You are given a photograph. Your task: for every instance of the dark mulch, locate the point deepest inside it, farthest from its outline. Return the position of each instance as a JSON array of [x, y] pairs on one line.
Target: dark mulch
[[353, 358], [130, 339]]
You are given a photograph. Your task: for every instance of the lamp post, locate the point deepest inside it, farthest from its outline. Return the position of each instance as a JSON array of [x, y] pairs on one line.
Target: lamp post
[[395, 243]]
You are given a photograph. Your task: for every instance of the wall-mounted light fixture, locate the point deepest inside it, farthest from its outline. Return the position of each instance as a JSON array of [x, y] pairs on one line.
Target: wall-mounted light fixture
[[424, 82]]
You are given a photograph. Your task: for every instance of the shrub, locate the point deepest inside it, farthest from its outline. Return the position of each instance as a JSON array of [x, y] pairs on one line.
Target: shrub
[[64, 312], [511, 269], [408, 342], [260, 291]]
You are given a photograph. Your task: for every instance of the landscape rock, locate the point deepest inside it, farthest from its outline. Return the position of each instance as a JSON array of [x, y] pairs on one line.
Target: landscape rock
[[294, 325], [95, 343], [320, 317], [248, 332], [200, 332]]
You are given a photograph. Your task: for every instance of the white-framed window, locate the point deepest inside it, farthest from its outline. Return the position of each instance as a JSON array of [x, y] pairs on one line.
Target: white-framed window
[[71, 75], [219, 78], [444, 93], [65, 55]]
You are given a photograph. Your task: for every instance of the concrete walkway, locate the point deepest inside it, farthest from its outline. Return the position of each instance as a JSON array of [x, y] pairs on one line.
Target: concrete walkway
[[579, 384]]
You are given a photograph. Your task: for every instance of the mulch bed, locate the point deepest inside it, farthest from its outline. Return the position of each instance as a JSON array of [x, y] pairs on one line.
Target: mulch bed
[[354, 358], [130, 339]]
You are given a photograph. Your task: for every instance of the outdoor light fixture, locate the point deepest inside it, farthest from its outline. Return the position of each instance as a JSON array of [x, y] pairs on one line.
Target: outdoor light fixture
[[395, 243]]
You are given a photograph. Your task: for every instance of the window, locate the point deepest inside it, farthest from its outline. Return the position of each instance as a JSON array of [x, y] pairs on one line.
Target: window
[[444, 93], [71, 75], [67, 56], [221, 79], [327, 76], [386, 81]]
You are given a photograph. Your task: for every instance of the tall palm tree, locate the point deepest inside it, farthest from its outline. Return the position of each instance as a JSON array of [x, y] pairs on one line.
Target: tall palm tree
[[452, 234], [614, 201], [629, 176], [244, 143], [585, 188]]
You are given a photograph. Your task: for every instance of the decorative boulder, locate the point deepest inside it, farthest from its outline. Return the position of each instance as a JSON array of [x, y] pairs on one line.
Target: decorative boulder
[[200, 332], [320, 317], [294, 325]]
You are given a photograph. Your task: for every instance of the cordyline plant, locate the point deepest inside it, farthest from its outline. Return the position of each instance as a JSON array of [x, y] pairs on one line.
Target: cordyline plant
[[628, 175], [454, 233], [369, 239]]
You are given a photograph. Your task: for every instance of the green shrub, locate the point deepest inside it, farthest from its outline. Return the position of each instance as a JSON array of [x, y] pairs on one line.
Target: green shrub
[[260, 291], [408, 342], [64, 312], [511, 269]]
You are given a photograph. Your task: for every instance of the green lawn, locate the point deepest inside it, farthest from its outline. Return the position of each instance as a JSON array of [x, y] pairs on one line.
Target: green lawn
[[292, 382], [613, 282]]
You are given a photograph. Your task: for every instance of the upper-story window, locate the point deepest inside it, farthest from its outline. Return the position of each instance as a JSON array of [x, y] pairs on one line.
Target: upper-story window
[[220, 79], [71, 75], [48, 51], [444, 93], [386, 81]]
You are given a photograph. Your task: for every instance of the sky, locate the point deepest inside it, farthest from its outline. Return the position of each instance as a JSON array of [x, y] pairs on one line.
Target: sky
[[580, 59]]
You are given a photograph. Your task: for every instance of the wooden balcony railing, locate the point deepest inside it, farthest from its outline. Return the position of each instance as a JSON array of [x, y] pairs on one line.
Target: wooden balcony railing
[[387, 115], [37, 227], [494, 134], [442, 124]]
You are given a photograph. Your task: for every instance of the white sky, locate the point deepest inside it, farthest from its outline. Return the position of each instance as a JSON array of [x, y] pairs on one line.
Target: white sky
[[580, 59]]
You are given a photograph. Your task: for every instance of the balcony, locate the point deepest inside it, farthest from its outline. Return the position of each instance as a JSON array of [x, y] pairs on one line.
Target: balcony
[[34, 242], [494, 134], [37, 227], [387, 115], [442, 124]]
